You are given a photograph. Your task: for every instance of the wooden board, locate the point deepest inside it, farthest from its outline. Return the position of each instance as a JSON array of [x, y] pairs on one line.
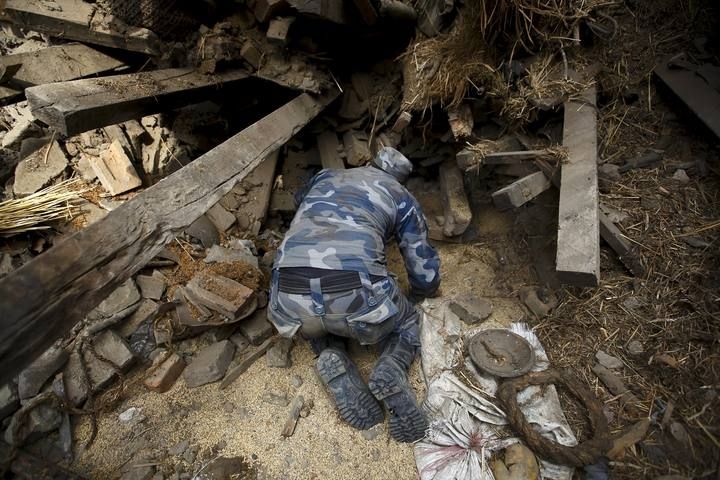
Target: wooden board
[[521, 191], [694, 92], [329, 147], [80, 105], [43, 299], [578, 247], [79, 20]]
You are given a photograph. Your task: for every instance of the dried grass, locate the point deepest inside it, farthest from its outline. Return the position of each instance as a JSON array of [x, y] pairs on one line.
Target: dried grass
[[34, 212]]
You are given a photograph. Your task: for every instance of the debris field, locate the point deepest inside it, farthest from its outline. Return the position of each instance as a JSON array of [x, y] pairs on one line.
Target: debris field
[[565, 155]]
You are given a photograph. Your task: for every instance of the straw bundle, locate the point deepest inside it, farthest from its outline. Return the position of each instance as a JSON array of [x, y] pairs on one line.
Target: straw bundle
[[33, 212]]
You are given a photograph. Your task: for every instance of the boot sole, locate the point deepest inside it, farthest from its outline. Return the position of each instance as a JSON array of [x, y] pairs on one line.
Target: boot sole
[[407, 422], [356, 405]]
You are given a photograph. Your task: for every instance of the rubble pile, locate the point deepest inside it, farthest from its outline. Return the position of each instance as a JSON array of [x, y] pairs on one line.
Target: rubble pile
[[107, 105]]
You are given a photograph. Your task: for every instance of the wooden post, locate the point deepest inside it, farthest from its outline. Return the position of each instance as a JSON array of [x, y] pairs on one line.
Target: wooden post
[[80, 105], [43, 299], [578, 247]]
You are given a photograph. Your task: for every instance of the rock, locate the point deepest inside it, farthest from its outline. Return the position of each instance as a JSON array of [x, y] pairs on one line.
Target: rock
[[251, 54], [372, 433], [461, 121], [223, 468], [132, 415], [455, 203], [228, 407], [635, 348], [218, 254], [221, 218], [296, 381], [6, 264], [9, 401], [34, 377], [36, 418], [91, 213], [112, 347], [609, 171], [190, 454], [225, 296], [35, 172], [278, 28], [470, 308], [608, 361], [179, 448], [357, 148], [696, 242], [204, 230], [146, 311], [681, 176], [123, 297], [540, 301], [241, 343], [152, 286], [256, 328], [209, 364], [520, 464], [278, 399], [218, 334], [76, 390], [32, 145], [115, 170], [278, 355], [162, 378]]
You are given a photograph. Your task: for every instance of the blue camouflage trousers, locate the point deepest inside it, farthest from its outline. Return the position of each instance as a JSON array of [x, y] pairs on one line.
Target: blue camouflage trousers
[[369, 314]]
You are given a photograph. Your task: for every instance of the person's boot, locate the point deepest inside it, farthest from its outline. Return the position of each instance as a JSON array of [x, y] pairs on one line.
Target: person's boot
[[389, 384], [356, 404]]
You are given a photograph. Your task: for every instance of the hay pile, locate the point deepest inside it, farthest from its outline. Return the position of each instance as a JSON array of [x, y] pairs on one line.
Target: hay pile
[[487, 35]]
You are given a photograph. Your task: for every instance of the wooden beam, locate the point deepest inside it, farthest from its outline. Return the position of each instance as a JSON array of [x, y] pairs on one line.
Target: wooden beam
[[329, 147], [80, 105], [608, 231], [43, 299], [510, 158], [79, 20], [578, 247], [521, 191], [682, 79]]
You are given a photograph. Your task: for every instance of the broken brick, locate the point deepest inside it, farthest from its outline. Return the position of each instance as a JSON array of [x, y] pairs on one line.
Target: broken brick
[[163, 377], [225, 296]]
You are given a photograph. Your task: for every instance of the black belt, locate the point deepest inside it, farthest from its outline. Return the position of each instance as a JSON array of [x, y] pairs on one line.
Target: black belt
[[296, 280]]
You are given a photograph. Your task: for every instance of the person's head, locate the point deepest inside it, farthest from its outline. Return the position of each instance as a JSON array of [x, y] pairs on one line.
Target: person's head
[[393, 162]]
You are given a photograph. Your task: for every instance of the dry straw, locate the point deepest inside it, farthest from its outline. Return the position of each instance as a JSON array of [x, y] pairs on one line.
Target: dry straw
[[34, 212]]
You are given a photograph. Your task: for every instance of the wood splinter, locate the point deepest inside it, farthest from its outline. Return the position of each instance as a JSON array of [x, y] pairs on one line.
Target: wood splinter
[[295, 408]]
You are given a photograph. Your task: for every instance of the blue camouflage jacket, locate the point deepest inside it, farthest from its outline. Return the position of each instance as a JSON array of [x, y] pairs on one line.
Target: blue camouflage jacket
[[347, 217]]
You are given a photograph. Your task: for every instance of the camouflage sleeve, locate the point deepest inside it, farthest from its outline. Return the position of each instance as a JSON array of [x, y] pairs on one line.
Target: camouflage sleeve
[[421, 260]]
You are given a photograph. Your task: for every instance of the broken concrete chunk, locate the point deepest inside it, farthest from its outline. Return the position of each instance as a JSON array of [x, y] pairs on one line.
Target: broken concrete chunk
[[608, 361], [278, 355], [9, 401], [164, 376], [115, 170], [455, 203], [204, 230], [357, 148], [34, 377], [277, 31], [110, 346], [218, 254], [402, 122], [152, 286], [76, 390], [471, 308], [147, 310], [461, 121], [209, 364], [39, 169], [85, 167], [251, 54], [221, 218], [123, 297], [256, 329], [225, 296], [635, 348], [241, 343]]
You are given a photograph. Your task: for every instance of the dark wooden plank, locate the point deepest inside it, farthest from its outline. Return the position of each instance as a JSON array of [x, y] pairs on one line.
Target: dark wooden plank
[[694, 92], [57, 64], [80, 105], [521, 191], [44, 298], [578, 247], [79, 20]]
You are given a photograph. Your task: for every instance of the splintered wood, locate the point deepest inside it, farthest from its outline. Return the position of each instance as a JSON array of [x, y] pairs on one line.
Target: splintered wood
[[578, 246]]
